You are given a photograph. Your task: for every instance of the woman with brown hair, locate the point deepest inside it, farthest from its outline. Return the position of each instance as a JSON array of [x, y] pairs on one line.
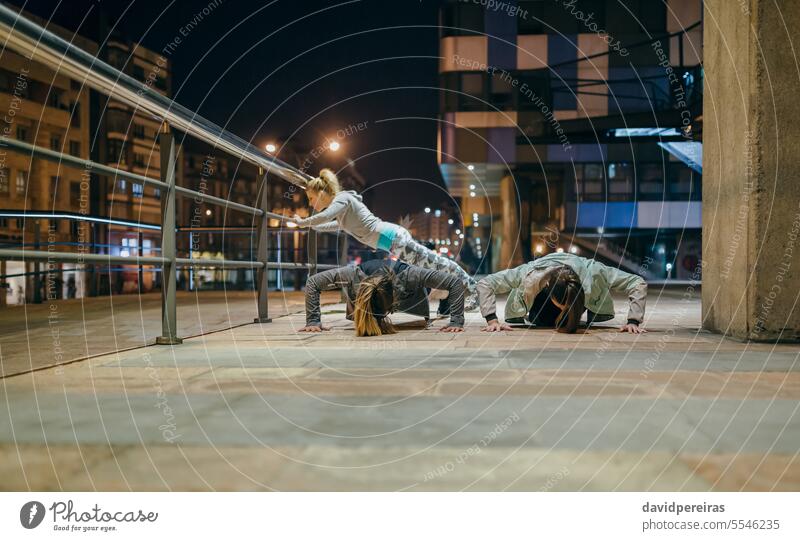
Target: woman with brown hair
[[377, 288], [555, 290]]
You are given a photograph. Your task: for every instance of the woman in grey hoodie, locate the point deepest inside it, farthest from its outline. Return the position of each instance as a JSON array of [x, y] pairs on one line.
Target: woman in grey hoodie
[[377, 288], [339, 209]]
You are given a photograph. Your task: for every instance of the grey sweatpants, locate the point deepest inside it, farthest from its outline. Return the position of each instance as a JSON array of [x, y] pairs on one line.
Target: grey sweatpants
[[405, 248]]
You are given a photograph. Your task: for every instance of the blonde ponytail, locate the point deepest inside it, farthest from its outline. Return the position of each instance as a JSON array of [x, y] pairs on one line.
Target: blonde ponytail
[[326, 182], [374, 301]]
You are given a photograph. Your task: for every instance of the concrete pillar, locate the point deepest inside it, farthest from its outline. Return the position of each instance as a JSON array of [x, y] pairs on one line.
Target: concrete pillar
[[510, 248], [751, 166]]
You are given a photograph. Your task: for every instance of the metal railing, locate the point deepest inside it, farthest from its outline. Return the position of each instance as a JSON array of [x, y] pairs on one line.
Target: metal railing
[[38, 44]]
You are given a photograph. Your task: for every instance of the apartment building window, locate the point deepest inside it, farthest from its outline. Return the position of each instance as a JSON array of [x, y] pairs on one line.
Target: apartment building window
[[55, 143], [54, 183], [118, 121], [620, 182], [20, 223], [75, 114], [531, 17], [74, 85], [139, 159], [534, 90], [138, 72], [463, 20], [138, 131], [651, 181], [501, 91], [75, 148], [157, 193], [129, 246], [683, 184], [641, 16], [75, 194], [122, 186], [115, 151], [22, 181], [3, 223], [473, 85], [593, 182], [22, 133], [138, 189], [117, 57], [5, 172], [54, 100]]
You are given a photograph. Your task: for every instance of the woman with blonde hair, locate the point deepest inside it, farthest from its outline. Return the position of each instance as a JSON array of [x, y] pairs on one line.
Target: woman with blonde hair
[[377, 288], [344, 209]]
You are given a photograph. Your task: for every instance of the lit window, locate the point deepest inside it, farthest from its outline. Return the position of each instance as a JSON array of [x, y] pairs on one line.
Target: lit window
[[22, 180]]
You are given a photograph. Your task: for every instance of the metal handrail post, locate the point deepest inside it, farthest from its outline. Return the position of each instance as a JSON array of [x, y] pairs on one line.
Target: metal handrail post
[[169, 316], [262, 254]]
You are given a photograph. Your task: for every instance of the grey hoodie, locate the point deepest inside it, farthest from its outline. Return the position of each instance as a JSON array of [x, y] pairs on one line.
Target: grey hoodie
[[409, 285], [348, 212]]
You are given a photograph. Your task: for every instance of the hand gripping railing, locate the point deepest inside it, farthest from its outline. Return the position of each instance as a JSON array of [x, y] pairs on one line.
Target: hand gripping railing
[[38, 44]]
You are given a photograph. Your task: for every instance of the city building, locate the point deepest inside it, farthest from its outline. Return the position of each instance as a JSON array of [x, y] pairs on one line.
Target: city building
[[127, 139], [50, 110], [440, 230], [576, 125]]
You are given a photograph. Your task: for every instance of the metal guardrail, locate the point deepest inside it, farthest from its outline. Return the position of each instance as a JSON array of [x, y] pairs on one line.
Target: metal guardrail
[[38, 44]]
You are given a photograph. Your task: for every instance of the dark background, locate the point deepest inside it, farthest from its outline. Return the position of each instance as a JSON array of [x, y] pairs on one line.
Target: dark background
[[240, 76]]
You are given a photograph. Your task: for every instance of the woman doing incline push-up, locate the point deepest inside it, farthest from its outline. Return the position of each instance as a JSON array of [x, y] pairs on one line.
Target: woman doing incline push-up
[[343, 209]]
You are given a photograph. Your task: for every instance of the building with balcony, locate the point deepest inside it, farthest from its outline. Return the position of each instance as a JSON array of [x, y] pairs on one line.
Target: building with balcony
[[128, 140], [50, 110], [576, 125]]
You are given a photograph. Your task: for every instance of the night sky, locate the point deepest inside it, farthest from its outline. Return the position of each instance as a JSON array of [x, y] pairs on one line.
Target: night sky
[[240, 76]]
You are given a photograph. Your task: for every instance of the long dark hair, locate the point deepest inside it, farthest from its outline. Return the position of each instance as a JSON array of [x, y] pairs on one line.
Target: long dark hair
[[564, 287], [375, 300]]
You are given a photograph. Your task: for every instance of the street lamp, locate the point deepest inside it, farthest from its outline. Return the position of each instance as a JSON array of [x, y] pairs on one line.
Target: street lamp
[[334, 146], [271, 147]]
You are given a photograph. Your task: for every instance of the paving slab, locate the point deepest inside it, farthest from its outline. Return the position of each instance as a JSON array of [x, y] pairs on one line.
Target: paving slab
[[262, 407]]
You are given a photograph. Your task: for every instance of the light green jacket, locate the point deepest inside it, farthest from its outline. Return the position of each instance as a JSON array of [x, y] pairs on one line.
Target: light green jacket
[[523, 283]]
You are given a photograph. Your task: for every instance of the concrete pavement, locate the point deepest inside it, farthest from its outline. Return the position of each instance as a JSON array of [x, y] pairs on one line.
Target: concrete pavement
[[261, 407]]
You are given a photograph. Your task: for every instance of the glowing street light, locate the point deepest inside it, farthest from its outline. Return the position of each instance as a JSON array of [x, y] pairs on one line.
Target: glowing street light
[[334, 146], [208, 212], [539, 248], [427, 210], [450, 221], [471, 167], [573, 250], [271, 147]]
